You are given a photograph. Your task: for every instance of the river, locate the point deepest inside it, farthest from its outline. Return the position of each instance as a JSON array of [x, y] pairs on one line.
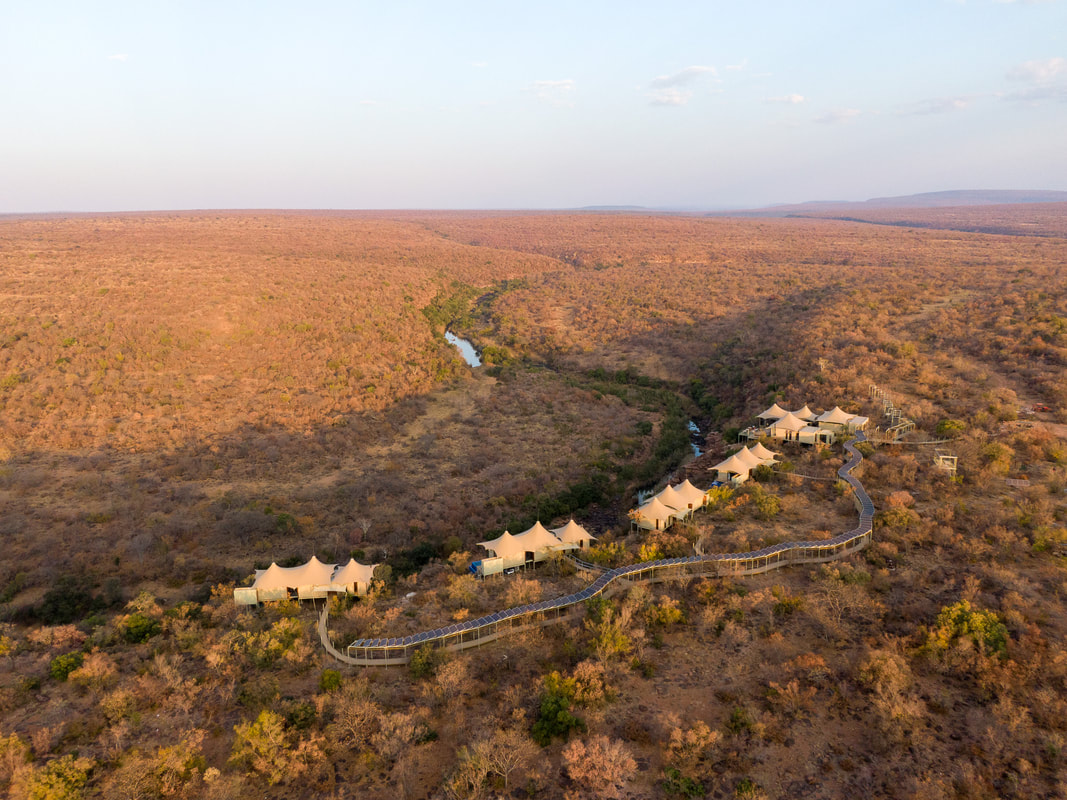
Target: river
[[466, 349]]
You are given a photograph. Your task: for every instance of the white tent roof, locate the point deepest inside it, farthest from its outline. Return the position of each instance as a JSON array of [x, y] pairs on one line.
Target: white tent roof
[[354, 572], [759, 451], [836, 416], [313, 573], [749, 458], [670, 497], [505, 545], [654, 509], [774, 412], [805, 413], [537, 538], [733, 464], [790, 422], [572, 532], [690, 493]]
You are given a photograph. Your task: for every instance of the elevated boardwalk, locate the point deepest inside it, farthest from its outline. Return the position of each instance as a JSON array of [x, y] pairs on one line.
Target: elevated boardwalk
[[475, 632]]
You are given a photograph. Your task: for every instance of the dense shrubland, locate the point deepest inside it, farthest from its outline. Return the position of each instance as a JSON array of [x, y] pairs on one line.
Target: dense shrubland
[[183, 397]]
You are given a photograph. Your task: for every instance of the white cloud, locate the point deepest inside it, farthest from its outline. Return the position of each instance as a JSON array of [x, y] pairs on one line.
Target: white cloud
[[118, 57], [479, 64], [665, 91], [682, 77], [737, 67], [792, 99], [1039, 71], [838, 115], [555, 93]]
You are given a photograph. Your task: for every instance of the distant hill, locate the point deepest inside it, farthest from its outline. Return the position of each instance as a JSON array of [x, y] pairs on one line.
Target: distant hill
[[956, 198]]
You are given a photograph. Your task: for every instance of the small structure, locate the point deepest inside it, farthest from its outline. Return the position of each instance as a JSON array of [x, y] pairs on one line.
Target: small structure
[[353, 578], [733, 470], [945, 462], [654, 516], [694, 498], [772, 414], [313, 580], [672, 498], [765, 455], [521, 550], [573, 533]]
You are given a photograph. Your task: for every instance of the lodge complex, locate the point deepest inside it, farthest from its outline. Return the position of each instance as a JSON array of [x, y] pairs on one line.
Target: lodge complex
[[509, 552]]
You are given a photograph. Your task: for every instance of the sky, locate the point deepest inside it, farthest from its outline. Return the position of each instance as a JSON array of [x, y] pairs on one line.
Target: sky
[[180, 104]]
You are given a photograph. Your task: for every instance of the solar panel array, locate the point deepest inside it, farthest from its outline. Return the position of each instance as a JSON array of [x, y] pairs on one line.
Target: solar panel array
[[400, 650]]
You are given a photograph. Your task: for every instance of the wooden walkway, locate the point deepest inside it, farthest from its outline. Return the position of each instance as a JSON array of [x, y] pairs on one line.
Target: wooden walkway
[[475, 632]]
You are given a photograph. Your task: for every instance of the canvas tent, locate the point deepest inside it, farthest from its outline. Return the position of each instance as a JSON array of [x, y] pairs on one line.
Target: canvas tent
[[762, 453], [353, 577], [655, 516], [787, 427], [573, 533], [773, 413], [805, 414], [670, 497], [539, 540], [750, 458], [835, 418], [309, 580], [507, 547], [732, 469], [691, 494]]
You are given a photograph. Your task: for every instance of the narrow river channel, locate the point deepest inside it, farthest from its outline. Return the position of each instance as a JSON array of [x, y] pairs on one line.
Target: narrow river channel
[[466, 349]]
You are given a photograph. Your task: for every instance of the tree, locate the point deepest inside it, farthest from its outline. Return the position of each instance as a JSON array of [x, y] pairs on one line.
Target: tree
[[600, 767], [62, 779], [265, 747]]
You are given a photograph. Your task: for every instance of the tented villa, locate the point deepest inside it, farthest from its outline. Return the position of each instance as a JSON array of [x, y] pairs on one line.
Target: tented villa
[[664, 509], [529, 547], [804, 426], [313, 580], [737, 467]]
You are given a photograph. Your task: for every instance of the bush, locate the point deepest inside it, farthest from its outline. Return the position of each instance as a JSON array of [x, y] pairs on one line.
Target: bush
[[424, 662], [960, 621], [675, 783], [950, 428], [63, 665], [330, 680], [554, 716], [140, 628]]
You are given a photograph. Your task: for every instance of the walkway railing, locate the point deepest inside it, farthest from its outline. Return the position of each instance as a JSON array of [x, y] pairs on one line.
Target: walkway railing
[[475, 632]]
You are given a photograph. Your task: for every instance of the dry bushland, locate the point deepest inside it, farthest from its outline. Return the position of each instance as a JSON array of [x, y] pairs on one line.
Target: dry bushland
[[212, 409]]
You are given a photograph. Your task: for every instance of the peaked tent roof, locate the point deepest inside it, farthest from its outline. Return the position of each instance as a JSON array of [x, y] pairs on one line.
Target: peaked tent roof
[[669, 496], [805, 413], [790, 422], [733, 464], [774, 412], [537, 538], [690, 493], [313, 573], [759, 451], [354, 572], [505, 545], [749, 458], [654, 509], [572, 532], [836, 416]]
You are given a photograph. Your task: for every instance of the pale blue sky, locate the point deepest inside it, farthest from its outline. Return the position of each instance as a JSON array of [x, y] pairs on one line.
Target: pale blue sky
[[171, 105]]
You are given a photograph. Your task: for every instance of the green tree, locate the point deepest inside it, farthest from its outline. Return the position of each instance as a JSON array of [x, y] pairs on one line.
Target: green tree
[[62, 779]]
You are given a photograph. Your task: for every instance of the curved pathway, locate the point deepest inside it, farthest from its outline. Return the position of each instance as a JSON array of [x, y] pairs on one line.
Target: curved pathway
[[472, 633]]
